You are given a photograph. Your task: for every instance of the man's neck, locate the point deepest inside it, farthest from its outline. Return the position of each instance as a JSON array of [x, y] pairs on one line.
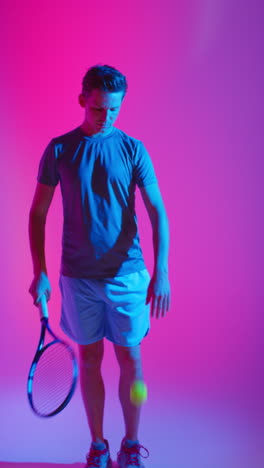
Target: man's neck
[[89, 132]]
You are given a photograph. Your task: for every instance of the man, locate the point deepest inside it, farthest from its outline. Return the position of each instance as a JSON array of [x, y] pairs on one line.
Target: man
[[106, 289]]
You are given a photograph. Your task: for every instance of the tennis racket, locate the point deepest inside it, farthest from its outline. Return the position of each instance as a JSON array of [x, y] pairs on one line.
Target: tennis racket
[[53, 373]]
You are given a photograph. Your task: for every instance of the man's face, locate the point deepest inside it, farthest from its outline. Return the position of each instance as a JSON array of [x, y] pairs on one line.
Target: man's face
[[101, 110]]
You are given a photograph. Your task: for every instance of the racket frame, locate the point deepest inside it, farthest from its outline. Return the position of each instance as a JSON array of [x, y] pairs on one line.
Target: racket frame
[[40, 350]]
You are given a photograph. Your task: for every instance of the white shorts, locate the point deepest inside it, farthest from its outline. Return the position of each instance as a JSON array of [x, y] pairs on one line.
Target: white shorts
[[114, 308]]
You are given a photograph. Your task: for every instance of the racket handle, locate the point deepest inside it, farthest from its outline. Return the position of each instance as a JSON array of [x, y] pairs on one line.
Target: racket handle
[[43, 307]]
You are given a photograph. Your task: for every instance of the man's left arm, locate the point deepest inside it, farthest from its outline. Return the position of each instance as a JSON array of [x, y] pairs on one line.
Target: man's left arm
[[159, 287]]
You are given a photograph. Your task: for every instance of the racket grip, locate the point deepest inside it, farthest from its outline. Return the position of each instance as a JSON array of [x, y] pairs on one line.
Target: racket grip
[[43, 307]]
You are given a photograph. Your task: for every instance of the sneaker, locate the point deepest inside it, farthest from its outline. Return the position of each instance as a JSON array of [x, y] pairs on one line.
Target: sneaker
[[129, 454], [99, 456]]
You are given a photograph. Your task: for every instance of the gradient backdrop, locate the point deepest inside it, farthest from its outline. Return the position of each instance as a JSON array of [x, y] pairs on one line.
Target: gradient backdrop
[[195, 74]]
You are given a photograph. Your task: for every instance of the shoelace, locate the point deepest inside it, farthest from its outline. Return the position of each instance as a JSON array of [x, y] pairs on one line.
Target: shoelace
[[93, 458], [132, 454]]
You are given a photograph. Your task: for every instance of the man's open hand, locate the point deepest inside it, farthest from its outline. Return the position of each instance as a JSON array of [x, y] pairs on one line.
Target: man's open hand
[[159, 294]]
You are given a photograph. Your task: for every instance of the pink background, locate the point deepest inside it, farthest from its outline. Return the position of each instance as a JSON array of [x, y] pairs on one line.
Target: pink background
[[195, 75]]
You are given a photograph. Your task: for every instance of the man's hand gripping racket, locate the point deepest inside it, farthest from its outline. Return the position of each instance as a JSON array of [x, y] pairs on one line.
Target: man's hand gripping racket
[[53, 373]]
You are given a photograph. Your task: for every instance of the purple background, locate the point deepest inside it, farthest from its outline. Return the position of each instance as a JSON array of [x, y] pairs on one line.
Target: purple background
[[195, 75]]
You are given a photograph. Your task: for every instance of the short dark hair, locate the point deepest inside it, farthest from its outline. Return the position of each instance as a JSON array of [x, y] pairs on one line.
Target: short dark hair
[[105, 78]]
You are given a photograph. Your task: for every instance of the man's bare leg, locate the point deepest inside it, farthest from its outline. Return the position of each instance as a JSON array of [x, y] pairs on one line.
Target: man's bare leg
[[129, 359], [92, 387]]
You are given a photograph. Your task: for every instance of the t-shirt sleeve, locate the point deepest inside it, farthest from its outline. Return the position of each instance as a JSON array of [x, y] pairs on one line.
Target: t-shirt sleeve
[[47, 172], [143, 169]]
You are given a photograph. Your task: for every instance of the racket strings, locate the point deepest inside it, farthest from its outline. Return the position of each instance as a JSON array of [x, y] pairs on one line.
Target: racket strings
[[53, 379]]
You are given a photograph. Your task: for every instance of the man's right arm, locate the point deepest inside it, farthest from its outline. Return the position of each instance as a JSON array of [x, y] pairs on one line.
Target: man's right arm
[[37, 221]]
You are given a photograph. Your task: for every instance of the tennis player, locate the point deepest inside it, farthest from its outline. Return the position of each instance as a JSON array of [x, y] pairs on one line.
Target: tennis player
[[106, 289]]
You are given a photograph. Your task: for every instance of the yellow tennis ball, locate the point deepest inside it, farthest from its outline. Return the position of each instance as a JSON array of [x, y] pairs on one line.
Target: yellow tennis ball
[[138, 392]]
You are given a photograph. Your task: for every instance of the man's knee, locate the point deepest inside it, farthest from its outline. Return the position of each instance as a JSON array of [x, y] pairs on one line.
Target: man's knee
[[128, 357], [91, 355]]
